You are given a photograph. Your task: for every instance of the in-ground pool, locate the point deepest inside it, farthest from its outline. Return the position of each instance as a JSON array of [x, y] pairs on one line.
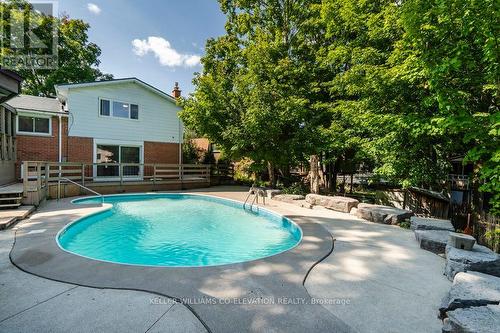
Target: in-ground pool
[[182, 230]]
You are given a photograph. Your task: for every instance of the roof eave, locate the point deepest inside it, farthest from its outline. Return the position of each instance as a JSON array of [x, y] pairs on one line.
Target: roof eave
[[62, 89]]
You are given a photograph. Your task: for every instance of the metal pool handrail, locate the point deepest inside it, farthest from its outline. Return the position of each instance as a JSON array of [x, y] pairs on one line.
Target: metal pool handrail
[[256, 191], [80, 185]]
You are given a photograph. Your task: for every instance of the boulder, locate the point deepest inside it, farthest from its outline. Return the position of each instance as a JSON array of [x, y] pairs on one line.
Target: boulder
[[479, 259], [288, 197], [303, 204], [272, 193], [382, 214], [482, 319], [461, 241], [432, 240], [340, 204], [471, 289], [426, 223]]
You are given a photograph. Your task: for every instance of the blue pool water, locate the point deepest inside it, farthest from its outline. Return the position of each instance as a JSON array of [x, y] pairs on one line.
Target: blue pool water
[[178, 230]]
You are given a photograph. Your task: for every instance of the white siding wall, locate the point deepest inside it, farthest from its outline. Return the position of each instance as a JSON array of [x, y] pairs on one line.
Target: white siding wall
[[157, 121]]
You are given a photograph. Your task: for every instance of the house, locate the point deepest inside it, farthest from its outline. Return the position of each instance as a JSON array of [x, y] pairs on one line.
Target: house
[[114, 121], [204, 147], [9, 87]]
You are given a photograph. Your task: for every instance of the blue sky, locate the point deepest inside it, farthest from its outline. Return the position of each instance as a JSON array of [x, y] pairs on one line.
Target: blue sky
[[157, 41]]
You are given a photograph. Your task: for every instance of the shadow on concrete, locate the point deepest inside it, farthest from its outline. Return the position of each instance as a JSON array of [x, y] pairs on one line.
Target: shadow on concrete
[[261, 295], [389, 282]]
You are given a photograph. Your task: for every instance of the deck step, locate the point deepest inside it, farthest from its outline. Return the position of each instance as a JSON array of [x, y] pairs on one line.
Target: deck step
[[11, 198], [10, 216], [17, 204]]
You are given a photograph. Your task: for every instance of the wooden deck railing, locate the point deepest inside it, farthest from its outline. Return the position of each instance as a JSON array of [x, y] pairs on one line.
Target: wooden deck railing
[[38, 175]]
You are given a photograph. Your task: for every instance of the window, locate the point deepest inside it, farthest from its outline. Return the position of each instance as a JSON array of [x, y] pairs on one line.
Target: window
[[118, 154], [35, 125], [105, 108], [118, 109], [214, 149], [134, 111], [25, 124]]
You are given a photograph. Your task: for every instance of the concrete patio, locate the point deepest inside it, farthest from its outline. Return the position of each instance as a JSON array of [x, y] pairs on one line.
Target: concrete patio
[[378, 277]]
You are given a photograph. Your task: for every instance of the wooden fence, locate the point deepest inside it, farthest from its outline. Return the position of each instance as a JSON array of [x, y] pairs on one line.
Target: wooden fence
[[39, 176]]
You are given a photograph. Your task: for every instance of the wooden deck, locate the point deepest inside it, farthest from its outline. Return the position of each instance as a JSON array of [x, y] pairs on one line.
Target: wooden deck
[[54, 180], [11, 196], [11, 188], [10, 216]]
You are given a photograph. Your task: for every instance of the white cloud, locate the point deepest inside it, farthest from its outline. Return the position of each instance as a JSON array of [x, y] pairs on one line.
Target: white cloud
[[164, 52], [93, 8]]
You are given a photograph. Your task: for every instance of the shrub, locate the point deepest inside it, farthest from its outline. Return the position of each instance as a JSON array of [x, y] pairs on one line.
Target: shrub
[[296, 188]]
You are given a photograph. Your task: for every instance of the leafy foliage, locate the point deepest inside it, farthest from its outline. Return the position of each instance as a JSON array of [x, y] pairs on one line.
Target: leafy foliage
[[399, 87], [251, 98], [297, 188], [78, 59], [190, 152], [458, 46]]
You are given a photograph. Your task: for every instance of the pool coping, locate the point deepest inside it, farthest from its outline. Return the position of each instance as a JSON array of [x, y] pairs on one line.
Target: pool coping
[[280, 276], [109, 206]]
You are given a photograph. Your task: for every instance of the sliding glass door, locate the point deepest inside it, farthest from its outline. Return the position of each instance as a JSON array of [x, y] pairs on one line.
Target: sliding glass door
[[108, 155], [130, 155]]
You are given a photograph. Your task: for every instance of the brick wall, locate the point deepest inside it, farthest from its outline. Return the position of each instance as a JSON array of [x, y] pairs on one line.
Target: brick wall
[[45, 148], [40, 148], [160, 152], [80, 149]]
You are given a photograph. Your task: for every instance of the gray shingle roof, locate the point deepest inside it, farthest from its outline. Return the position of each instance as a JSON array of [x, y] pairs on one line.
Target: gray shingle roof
[[35, 103]]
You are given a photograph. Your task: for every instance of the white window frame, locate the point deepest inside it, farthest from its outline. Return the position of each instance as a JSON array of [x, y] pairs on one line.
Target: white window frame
[[33, 116], [99, 108], [119, 143], [111, 109]]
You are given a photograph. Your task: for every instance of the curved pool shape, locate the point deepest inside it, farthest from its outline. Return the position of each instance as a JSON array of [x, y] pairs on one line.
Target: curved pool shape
[[181, 230]]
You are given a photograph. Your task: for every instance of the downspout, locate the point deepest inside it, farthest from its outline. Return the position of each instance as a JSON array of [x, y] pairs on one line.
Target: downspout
[[59, 144], [60, 138], [180, 140], [180, 153]]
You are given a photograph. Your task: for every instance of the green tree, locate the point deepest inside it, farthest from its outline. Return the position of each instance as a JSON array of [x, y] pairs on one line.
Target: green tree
[[252, 97], [378, 104], [78, 58], [458, 49]]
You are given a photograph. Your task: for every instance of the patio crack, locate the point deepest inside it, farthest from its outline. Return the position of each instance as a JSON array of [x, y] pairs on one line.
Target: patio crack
[[178, 300], [159, 318], [37, 304]]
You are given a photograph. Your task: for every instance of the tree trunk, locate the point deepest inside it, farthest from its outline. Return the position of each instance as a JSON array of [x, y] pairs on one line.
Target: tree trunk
[[272, 176], [352, 180], [333, 180], [285, 172], [314, 174]]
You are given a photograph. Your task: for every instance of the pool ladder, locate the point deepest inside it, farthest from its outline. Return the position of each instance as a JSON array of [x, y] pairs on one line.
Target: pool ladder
[[256, 192]]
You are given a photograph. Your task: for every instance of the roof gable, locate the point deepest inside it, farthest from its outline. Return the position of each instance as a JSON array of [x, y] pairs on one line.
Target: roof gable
[[62, 90]]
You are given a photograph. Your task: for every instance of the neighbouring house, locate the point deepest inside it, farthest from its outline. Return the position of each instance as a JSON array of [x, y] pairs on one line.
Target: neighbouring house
[[204, 147], [9, 87], [115, 121]]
